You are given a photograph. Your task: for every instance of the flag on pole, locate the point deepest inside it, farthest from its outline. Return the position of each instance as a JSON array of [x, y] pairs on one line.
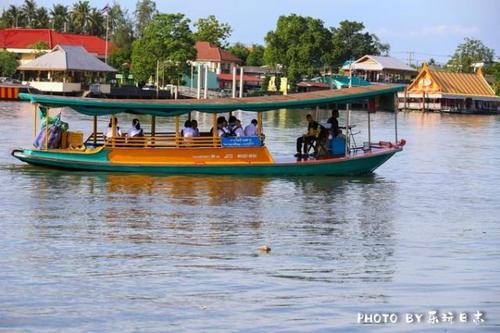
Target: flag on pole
[[106, 9]]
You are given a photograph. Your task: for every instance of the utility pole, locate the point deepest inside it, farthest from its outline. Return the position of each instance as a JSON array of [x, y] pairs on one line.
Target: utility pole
[[411, 57]]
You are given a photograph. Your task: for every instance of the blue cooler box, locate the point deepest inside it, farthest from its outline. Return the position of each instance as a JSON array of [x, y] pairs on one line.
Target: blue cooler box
[[337, 147]]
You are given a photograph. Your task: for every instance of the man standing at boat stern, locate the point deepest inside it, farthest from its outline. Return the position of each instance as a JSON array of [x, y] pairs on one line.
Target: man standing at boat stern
[[307, 139]]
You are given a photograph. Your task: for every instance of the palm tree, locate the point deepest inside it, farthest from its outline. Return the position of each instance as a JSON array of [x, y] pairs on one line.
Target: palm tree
[[42, 18], [80, 16], [59, 17], [96, 23], [28, 11], [13, 16]]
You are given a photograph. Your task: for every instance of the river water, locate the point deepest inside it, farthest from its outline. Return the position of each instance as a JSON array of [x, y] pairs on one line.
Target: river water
[[99, 252]]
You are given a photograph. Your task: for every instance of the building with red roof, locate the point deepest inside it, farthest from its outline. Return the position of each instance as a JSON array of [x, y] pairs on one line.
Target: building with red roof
[[21, 41], [217, 59]]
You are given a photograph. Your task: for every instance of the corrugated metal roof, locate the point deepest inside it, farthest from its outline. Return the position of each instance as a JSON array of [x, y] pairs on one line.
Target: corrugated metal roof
[[67, 57], [462, 83], [381, 63]]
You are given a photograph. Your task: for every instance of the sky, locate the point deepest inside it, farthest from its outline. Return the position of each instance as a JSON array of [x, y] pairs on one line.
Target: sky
[[428, 28]]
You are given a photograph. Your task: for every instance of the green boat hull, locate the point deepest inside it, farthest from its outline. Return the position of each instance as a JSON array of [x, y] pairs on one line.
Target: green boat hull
[[363, 164]]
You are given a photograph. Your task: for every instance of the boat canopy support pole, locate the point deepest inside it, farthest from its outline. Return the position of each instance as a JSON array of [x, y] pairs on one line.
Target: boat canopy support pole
[[94, 130], [113, 131], [396, 110], [214, 129], [47, 128], [35, 106], [177, 125], [369, 130], [259, 123], [347, 129], [153, 130]]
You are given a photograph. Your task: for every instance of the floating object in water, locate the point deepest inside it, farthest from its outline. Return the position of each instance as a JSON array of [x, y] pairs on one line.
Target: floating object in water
[[264, 248]]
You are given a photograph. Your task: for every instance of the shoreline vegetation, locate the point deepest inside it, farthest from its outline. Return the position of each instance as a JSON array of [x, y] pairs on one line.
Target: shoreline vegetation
[[300, 47]]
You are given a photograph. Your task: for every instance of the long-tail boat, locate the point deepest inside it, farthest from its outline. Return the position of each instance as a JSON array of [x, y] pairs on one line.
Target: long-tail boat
[[169, 153]]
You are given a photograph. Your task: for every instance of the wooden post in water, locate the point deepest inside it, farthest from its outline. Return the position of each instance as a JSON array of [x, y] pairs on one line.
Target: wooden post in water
[[241, 81], [198, 81], [214, 129], [234, 82], [205, 92], [94, 128]]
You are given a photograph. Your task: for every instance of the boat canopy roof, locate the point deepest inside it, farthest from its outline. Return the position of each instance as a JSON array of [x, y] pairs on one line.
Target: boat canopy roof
[[168, 108]]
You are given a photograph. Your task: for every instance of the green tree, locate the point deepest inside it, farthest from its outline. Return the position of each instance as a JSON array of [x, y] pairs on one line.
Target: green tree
[[117, 17], [494, 70], [79, 16], [28, 11], [12, 17], [167, 39], [211, 30], [40, 48], [8, 63], [96, 24], [349, 42], [256, 56], [58, 17], [121, 57], [240, 50], [145, 10], [301, 45], [471, 51], [42, 18]]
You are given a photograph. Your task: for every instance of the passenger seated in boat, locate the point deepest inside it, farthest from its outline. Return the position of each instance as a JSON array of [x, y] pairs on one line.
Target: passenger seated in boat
[[135, 130], [308, 138], [237, 129], [188, 131], [334, 123], [109, 132], [194, 126], [232, 125], [221, 127], [251, 129]]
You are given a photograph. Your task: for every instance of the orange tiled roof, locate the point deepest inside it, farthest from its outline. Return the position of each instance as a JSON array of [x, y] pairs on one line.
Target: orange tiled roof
[[207, 51], [19, 38]]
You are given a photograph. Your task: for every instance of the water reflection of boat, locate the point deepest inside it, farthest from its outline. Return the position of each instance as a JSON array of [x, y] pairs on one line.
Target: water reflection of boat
[[188, 190], [169, 153]]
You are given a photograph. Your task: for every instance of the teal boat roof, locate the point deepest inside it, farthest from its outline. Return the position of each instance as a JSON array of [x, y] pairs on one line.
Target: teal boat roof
[[169, 108]]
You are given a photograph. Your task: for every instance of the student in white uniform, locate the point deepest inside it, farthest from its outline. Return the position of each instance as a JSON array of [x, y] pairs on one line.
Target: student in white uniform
[[238, 130], [135, 130], [109, 132], [251, 129]]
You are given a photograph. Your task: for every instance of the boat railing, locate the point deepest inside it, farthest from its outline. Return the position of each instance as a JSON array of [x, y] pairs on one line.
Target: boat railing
[[161, 140]]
